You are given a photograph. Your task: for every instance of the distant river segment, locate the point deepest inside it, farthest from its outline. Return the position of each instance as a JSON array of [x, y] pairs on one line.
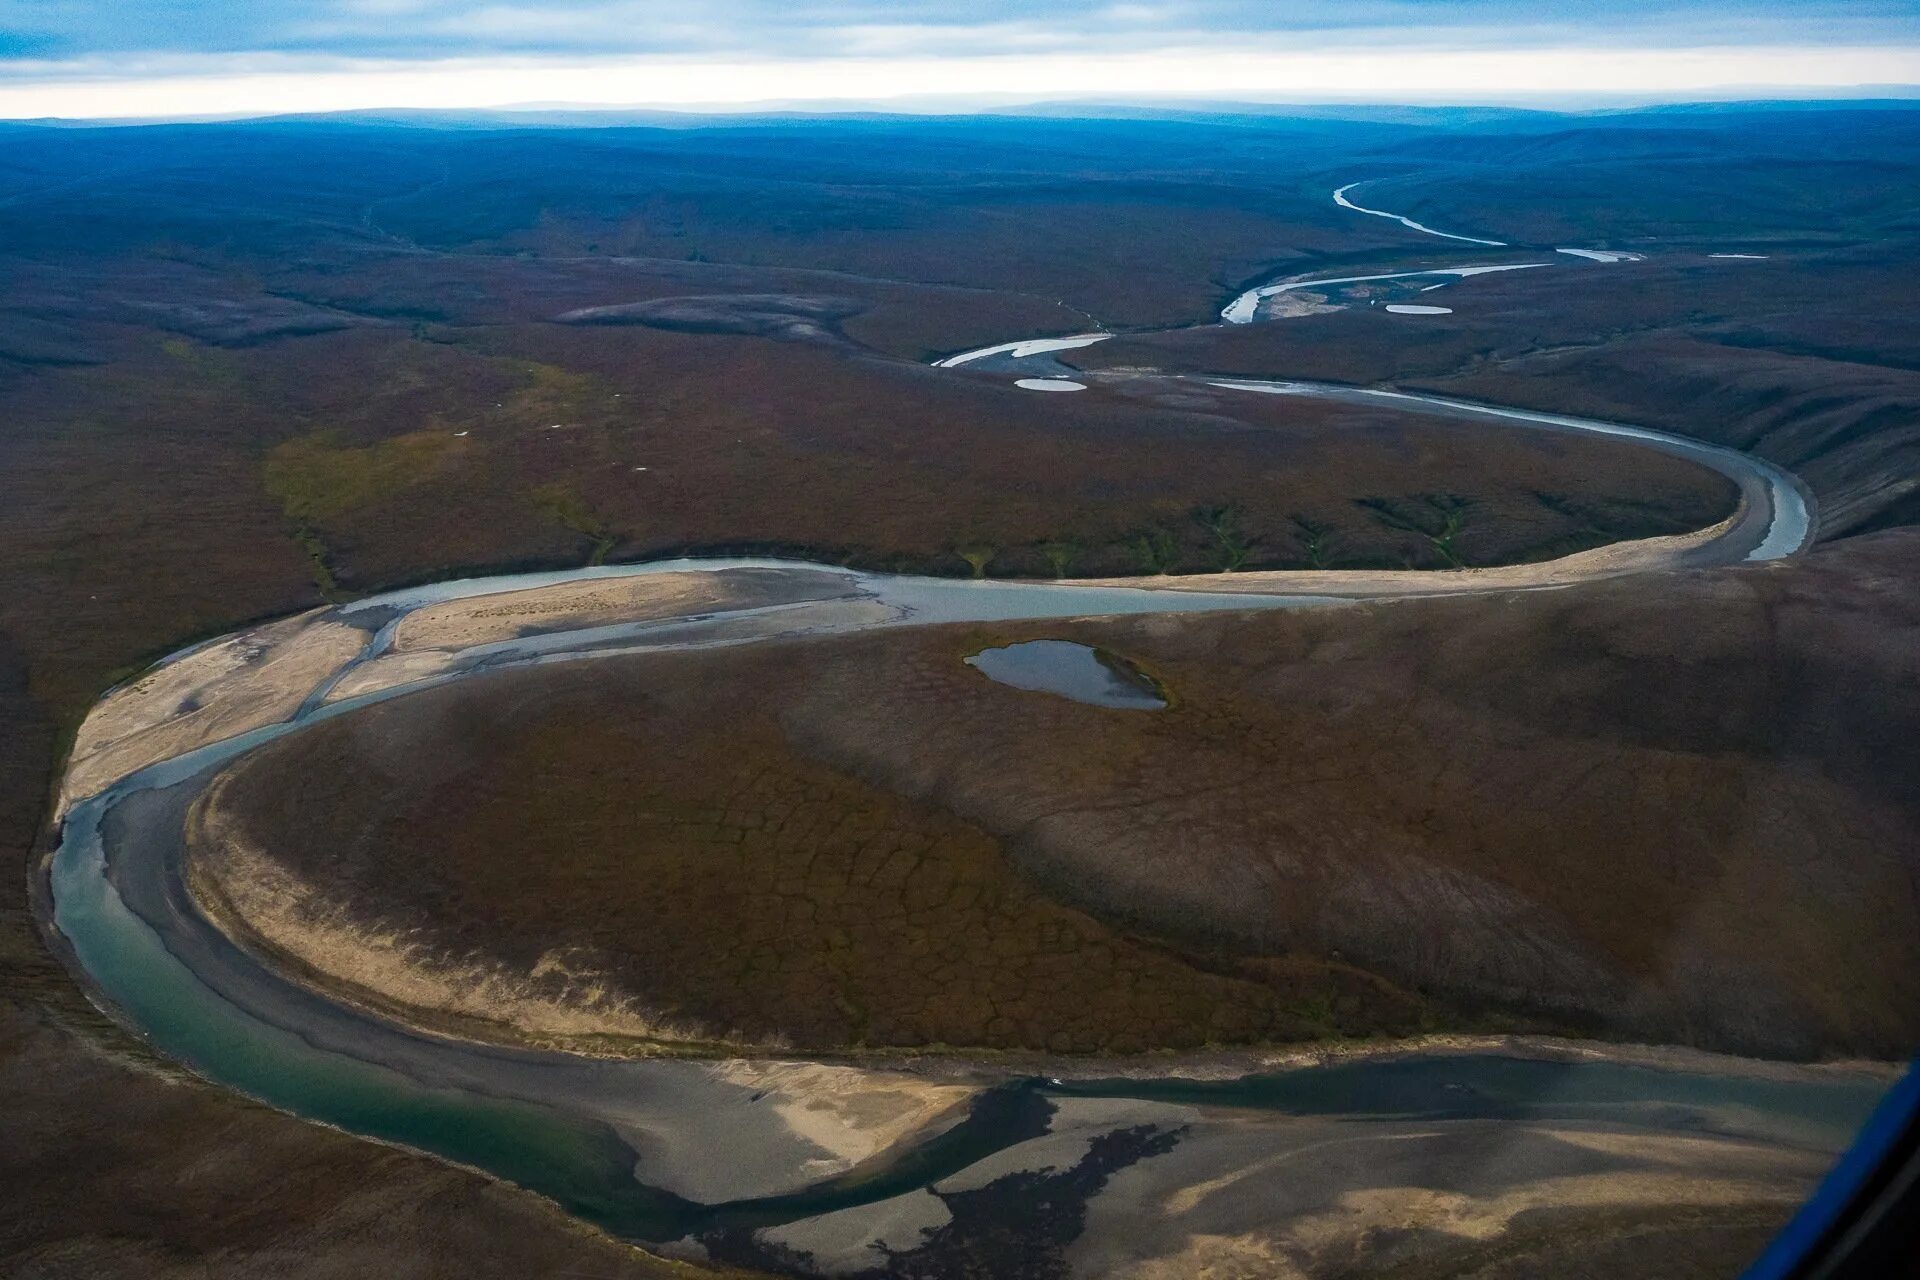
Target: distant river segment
[[1340, 198]]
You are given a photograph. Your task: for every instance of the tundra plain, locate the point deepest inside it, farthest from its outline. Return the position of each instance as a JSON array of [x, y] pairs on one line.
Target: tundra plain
[[230, 399]]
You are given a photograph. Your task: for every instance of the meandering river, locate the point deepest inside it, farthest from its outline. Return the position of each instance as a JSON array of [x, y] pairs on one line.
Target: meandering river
[[662, 1149]]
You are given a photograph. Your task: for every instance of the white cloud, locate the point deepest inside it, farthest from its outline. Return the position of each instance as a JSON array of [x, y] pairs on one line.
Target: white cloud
[[428, 29], [252, 86]]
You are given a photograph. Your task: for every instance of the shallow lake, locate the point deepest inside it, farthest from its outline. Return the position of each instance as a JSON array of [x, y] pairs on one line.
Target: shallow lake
[[1071, 670]]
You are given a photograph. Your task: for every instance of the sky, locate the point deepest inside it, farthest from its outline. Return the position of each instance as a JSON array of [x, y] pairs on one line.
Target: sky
[[95, 58]]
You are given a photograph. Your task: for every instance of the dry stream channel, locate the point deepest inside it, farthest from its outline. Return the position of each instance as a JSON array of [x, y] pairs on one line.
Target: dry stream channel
[[811, 1166]]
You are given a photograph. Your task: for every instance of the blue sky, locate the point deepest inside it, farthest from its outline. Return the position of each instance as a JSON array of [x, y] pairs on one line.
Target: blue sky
[[144, 56]]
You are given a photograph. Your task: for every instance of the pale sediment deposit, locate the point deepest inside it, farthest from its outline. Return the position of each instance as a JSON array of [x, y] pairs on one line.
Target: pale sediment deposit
[[1641, 555], [461, 624], [851, 1113], [1261, 301], [210, 694], [1603, 255], [1261, 1196], [1022, 349], [377, 965]]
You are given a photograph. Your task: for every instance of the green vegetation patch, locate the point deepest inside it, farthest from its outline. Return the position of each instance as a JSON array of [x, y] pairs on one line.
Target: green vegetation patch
[[565, 505], [316, 478]]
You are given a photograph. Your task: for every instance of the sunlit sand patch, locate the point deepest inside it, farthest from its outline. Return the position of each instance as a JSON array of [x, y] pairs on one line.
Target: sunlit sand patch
[[256, 678], [389, 671], [1022, 349], [1698, 1173], [1488, 1217], [1187, 1199], [1639, 556], [1603, 255], [1248, 307], [458, 624], [850, 1114]]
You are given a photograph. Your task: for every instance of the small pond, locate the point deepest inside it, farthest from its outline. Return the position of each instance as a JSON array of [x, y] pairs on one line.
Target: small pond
[[1071, 670]]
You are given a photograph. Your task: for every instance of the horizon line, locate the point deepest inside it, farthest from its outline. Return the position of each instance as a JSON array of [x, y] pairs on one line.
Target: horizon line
[[1556, 78], [919, 108]]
